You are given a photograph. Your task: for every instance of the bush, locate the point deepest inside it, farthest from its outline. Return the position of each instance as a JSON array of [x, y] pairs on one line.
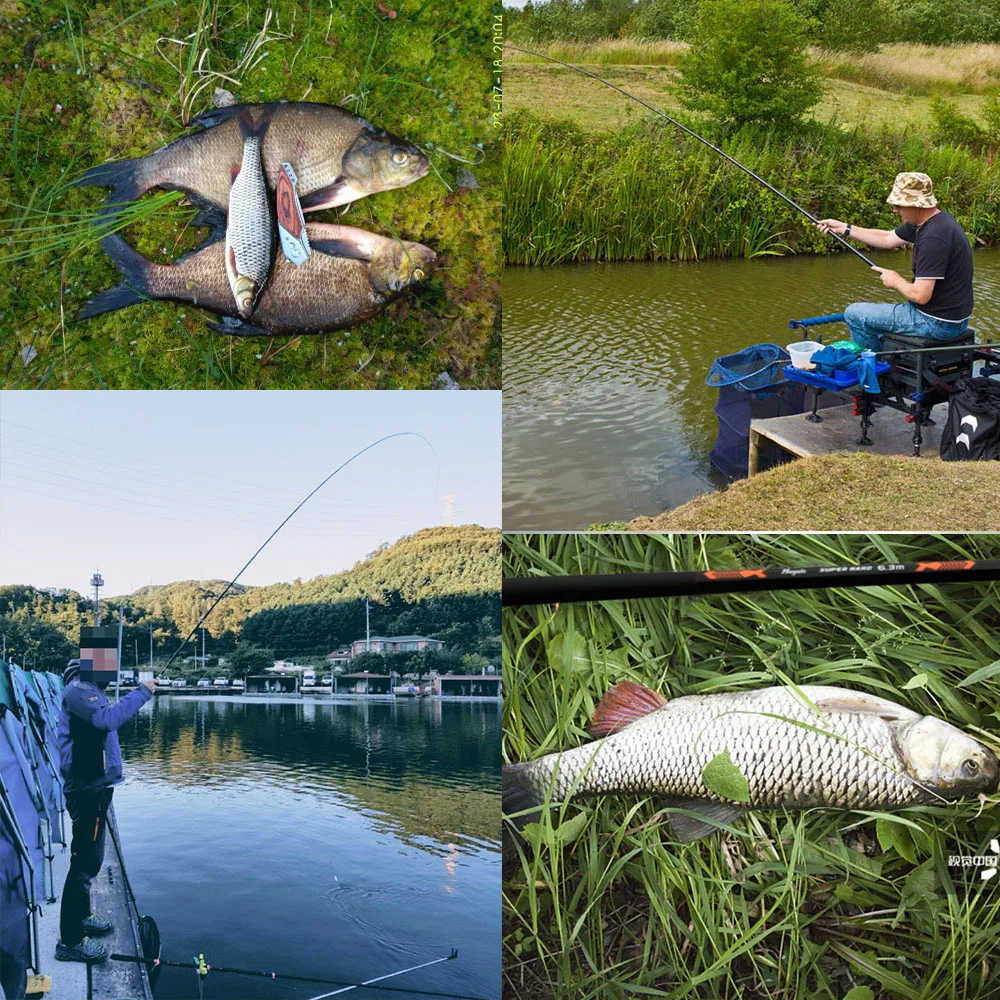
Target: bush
[[248, 660], [853, 26], [747, 63], [664, 19], [572, 20], [940, 22], [950, 125]]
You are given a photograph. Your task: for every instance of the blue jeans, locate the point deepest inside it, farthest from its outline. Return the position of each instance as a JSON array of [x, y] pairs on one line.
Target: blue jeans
[[867, 321]]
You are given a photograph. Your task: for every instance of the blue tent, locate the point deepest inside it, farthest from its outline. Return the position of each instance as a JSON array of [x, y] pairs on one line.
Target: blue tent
[[31, 802]]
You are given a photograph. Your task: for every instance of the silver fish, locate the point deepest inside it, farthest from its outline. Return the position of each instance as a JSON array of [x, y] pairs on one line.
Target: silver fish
[[249, 223], [796, 747]]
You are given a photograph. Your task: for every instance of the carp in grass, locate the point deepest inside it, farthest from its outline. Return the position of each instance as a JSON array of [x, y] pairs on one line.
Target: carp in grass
[[797, 748]]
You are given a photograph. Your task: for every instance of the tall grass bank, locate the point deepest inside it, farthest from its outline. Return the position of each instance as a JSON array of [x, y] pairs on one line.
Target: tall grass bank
[[648, 192]]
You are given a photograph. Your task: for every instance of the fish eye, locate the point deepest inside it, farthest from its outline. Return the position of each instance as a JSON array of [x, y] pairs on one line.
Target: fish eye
[[970, 766], [418, 274], [400, 157]]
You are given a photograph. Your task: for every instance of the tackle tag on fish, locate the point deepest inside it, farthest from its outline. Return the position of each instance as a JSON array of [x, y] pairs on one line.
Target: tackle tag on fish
[[291, 224]]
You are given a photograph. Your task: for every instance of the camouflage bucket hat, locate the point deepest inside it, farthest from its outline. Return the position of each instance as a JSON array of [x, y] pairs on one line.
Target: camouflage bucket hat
[[912, 191]]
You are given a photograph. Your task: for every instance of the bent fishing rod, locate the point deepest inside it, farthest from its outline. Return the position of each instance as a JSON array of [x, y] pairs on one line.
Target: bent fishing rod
[[702, 139], [518, 591], [343, 465]]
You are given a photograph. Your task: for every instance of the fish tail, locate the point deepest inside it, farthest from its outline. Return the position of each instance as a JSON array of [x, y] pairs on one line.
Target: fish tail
[[521, 806], [135, 288], [127, 179], [247, 126], [521, 803]]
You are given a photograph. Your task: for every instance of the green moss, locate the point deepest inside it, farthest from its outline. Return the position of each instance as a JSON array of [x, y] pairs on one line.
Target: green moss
[[111, 82]]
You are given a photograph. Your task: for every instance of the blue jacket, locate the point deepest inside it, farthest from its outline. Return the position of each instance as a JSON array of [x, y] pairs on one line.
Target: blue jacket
[[89, 755]]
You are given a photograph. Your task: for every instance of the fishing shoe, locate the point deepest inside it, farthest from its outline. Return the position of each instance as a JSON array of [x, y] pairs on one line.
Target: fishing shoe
[[87, 950], [97, 926]]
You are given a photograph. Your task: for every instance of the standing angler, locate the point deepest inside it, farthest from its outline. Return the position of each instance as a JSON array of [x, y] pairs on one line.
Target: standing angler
[[939, 298], [249, 224], [91, 764]]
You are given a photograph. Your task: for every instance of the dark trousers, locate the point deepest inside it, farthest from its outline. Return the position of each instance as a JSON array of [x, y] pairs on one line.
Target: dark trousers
[[89, 814]]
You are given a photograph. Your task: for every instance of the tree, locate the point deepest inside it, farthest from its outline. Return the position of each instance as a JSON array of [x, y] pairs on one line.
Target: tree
[[854, 25], [747, 63], [247, 660]]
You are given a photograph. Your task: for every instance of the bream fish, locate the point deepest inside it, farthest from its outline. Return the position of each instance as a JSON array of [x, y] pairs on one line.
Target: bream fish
[[249, 221], [350, 277], [796, 747], [338, 157]]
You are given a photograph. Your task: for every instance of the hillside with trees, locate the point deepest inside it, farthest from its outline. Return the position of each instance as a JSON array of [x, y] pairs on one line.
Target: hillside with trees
[[440, 582]]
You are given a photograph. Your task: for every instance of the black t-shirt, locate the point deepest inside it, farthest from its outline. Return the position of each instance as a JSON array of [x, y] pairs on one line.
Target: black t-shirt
[[941, 250]]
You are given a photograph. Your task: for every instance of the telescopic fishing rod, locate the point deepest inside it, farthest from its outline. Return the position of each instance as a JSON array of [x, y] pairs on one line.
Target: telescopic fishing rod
[[693, 134], [343, 465], [368, 985], [633, 586]]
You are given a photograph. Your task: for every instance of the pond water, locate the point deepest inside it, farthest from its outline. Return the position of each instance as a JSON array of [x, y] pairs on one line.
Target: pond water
[[606, 412], [341, 841]]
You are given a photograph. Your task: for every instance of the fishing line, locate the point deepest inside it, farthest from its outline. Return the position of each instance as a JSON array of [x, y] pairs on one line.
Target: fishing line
[[411, 991], [634, 586], [695, 135], [301, 504]]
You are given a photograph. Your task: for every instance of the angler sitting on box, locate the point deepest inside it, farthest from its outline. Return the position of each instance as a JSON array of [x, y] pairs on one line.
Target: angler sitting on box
[[939, 299]]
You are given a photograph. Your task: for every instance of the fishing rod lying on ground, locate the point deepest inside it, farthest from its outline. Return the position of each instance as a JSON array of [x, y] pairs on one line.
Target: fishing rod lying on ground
[[312, 493], [693, 134], [204, 968], [633, 586]]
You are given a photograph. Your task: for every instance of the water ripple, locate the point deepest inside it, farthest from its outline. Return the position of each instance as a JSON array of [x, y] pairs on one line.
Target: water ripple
[[606, 414]]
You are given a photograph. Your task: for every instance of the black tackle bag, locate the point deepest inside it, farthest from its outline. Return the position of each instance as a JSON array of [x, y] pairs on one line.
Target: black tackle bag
[[973, 427]]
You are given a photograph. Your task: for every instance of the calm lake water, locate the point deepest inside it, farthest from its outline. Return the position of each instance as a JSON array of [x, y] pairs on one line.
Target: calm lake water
[[341, 841], [606, 412]]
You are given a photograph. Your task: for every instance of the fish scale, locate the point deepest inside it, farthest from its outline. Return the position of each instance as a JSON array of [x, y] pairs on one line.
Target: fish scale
[[250, 228], [830, 747], [329, 291]]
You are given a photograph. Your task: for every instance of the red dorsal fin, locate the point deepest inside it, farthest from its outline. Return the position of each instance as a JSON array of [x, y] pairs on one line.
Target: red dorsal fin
[[622, 705]]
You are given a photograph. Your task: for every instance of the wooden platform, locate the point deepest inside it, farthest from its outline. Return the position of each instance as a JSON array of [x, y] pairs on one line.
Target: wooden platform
[[111, 980], [840, 430]]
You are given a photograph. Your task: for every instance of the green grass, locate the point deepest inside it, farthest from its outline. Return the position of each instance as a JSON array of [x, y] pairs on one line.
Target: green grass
[[650, 192], [854, 492], [790, 905], [86, 83], [556, 92]]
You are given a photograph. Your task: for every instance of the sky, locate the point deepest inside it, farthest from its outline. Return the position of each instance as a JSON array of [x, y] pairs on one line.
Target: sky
[[153, 487]]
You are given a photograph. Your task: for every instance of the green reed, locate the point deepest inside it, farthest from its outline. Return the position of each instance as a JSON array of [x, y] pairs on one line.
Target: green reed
[[648, 192], [812, 904]]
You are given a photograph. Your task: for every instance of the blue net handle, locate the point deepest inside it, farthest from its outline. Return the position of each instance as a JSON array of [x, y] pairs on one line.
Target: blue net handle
[[815, 321]]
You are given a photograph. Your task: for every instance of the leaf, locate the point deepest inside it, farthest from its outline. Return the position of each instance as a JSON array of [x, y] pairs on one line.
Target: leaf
[[883, 830], [919, 884], [568, 831], [905, 845], [981, 674], [855, 897], [859, 993], [724, 778], [892, 834], [917, 681]]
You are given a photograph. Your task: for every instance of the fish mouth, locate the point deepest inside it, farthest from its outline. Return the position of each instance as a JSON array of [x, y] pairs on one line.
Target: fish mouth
[[991, 772], [423, 165]]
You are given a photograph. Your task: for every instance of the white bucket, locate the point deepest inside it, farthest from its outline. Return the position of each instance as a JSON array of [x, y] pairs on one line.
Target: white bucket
[[801, 352]]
